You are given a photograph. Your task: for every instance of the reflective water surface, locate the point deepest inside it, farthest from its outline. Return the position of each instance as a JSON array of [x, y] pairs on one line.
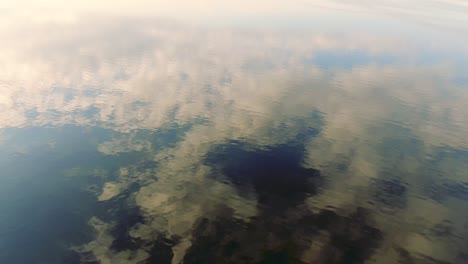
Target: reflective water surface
[[326, 132]]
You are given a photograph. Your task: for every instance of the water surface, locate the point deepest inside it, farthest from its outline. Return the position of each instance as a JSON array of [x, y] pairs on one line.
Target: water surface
[[284, 133]]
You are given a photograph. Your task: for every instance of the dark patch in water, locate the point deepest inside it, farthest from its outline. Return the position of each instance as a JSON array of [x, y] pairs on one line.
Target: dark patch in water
[[389, 194], [457, 190], [283, 238], [122, 211], [312, 131], [284, 228], [125, 221], [439, 183], [352, 239], [274, 173], [439, 191], [161, 251], [406, 258], [146, 165], [463, 257], [442, 229]]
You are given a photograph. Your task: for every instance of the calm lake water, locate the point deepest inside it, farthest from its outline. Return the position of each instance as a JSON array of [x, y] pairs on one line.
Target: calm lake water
[[309, 132]]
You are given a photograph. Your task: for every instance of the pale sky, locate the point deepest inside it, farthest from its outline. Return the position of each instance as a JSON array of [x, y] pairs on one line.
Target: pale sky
[[448, 14], [246, 7]]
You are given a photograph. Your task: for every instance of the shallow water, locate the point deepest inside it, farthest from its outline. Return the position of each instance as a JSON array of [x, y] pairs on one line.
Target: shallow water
[[322, 132]]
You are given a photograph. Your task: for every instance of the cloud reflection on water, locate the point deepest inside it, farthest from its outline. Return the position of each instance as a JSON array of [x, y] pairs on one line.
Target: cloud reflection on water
[[256, 86]]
